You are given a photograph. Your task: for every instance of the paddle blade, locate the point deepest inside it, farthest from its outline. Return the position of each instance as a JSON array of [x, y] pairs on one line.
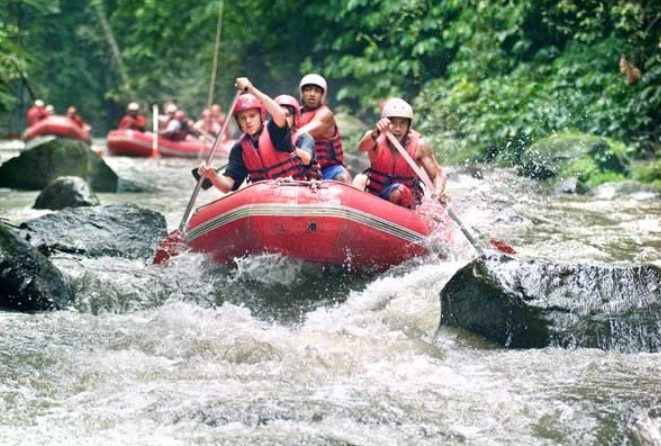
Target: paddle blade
[[171, 246], [502, 246]]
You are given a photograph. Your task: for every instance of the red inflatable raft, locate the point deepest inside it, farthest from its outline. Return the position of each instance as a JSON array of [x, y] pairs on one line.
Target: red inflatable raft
[[134, 143], [323, 222], [59, 126]]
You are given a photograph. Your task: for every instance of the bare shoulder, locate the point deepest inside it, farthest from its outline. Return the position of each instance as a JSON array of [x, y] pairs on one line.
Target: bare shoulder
[[423, 148]]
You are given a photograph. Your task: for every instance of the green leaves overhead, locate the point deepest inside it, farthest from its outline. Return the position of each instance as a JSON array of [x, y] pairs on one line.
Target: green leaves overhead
[[489, 75]]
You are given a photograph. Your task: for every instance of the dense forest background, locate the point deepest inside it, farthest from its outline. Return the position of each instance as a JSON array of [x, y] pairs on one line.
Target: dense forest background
[[486, 77]]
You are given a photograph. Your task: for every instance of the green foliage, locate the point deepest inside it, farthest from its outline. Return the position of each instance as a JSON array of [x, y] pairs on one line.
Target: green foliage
[[648, 172], [13, 65], [487, 77], [573, 86]]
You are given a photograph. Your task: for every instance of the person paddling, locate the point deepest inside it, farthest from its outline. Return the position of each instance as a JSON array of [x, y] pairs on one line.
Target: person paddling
[[318, 120], [74, 116], [264, 150], [133, 120], [36, 113], [390, 176]]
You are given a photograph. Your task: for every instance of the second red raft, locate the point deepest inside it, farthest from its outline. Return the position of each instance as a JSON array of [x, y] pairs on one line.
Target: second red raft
[[59, 126], [139, 144]]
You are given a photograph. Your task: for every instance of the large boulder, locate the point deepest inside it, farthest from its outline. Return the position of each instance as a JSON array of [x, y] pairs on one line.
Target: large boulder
[[65, 192], [35, 168], [535, 303], [28, 281], [117, 230], [590, 159]]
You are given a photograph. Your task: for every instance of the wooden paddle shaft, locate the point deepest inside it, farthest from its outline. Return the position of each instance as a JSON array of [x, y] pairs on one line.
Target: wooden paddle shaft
[[212, 152], [422, 174]]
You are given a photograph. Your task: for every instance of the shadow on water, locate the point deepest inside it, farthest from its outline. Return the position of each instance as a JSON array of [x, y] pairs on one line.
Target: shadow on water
[[271, 287]]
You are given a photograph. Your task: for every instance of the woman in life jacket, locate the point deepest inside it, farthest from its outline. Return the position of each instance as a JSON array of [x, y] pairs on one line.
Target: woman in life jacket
[[303, 142], [264, 151], [390, 176]]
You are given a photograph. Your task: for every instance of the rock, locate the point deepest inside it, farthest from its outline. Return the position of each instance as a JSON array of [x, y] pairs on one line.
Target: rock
[[66, 192], [535, 303], [37, 167], [565, 155], [118, 230], [28, 281], [571, 185]]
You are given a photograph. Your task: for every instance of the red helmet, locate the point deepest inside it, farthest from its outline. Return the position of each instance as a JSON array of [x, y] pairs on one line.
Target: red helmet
[[180, 115], [246, 102], [289, 101]]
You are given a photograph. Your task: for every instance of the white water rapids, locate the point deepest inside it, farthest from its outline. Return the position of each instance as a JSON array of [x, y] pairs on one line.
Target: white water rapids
[[275, 352]]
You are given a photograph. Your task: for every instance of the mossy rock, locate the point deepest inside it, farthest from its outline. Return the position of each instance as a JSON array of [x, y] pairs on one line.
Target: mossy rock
[[592, 159], [648, 172], [37, 167]]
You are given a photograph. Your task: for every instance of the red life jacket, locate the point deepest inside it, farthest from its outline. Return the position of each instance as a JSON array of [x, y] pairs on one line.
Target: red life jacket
[[35, 114], [387, 169], [329, 150], [129, 122], [267, 163]]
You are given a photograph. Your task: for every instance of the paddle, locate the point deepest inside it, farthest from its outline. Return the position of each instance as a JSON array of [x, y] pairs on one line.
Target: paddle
[[174, 244], [422, 174]]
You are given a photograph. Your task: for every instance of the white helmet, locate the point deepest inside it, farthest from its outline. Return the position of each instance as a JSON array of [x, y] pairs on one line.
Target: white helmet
[[171, 108], [38, 103], [314, 79], [133, 106], [397, 108]]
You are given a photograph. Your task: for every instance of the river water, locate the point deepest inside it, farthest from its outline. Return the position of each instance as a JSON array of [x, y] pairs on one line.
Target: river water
[[275, 352]]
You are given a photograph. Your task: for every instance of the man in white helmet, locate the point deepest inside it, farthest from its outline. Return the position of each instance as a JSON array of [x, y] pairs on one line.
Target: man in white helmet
[[317, 120], [170, 110], [36, 113], [390, 176], [133, 120]]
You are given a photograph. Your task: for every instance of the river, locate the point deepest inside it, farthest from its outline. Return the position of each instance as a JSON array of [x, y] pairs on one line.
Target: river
[[275, 352]]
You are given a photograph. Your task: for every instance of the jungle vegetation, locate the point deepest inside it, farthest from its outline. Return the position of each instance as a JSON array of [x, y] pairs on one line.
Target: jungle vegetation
[[487, 78]]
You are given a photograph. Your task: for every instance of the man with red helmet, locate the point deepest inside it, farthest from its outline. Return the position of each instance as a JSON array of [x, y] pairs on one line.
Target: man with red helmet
[[133, 120], [264, 150], [304, 143], [390, 176], [317, 119]]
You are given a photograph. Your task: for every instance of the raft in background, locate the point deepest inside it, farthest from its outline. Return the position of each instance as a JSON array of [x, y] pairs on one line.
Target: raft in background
[[139, 144], [59, 126], [324, 222]]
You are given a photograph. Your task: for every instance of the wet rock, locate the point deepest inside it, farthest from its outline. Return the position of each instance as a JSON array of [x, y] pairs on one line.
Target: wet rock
[[564, 155], [571, 185], [37, 167], [28, 281], [535, 303], [118, 230], [66, 192]]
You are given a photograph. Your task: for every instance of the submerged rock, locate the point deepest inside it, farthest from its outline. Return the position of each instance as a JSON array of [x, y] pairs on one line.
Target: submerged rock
[[118, 230], [35, 168], [66, 192], [535, 303], [28, 281]]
